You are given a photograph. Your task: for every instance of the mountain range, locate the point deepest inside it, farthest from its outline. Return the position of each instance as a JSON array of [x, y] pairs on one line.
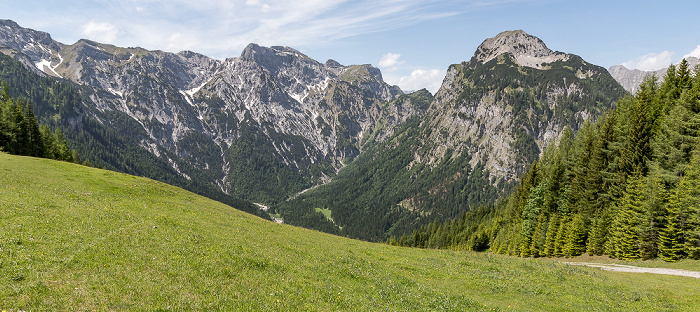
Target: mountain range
[[272, 123], [630, 79]]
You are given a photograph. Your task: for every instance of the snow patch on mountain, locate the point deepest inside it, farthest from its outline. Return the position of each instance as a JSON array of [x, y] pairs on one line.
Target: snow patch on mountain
[[192, 91], [186, 96], [115, 92], [319, 87], [44, 64]]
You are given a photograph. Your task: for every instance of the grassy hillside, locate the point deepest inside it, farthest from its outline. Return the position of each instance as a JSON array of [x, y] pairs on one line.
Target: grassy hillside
[[78, 238]]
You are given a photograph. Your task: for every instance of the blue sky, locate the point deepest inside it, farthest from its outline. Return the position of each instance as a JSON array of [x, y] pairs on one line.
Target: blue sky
[[413, 42]]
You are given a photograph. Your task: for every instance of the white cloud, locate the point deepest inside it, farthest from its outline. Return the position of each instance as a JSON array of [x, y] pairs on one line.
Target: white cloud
[[100, 32], [651, 61], [694, 53], [225, 27], [419, 79], [181, 41], [390, 60]]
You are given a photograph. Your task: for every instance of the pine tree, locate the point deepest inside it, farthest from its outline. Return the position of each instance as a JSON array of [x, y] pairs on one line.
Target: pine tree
[[598, 235], [60, 148], [576, 238], [626, 238], [551, 236], [652, 218], [671, 243], [36, 146], [598, 183], [690, 213], [531, 213], [539, 237], [561, 233], [561, 236], [638, 151], [581, 198], [47, 138], [13, 131]]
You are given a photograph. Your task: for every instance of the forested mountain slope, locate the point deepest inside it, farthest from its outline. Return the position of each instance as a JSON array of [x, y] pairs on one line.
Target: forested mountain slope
[[491, 118], [627, 186], [261, 126], [58, 106]]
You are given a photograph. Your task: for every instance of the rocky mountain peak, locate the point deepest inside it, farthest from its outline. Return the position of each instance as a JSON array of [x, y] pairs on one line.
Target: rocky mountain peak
[[335, 67], [260, 54], [331, 63], [527, 50], [37, 45]]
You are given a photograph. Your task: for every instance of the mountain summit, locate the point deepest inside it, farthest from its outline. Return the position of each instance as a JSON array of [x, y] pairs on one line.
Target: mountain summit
[[491, 119], [261, 126], [273, 122], [528, 50]]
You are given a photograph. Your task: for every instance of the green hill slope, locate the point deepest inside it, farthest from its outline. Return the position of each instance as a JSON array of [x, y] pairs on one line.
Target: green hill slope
[[79, 238]]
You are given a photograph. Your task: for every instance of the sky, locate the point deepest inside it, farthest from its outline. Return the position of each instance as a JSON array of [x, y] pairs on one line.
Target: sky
[[412, 42]]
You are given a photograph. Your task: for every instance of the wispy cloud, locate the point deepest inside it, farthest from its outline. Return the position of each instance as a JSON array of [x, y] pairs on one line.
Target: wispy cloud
[[221, 27]]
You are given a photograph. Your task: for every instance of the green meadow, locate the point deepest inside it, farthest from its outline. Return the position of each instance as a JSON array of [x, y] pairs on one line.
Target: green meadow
[[74, 238]]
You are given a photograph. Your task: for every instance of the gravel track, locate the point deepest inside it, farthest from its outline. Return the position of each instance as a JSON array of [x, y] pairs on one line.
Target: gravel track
[[635, 269]]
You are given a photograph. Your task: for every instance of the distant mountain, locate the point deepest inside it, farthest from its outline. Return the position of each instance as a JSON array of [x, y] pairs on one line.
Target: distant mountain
[[493, 116], [630, 79], [261, 126], [279, 128]]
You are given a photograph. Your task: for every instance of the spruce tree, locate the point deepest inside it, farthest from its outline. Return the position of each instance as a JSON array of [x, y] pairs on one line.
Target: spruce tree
[[671, 240], [576, 239], [598, 235], [551, 236], [561, 236], [539, 237], [690, 214], [581, 198], [638, 151], [48, 140], [36, 144], [626, 235], [531, 211], [652, 218]]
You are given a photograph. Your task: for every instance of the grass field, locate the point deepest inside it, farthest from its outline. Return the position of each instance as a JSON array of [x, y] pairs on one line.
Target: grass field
[[325, 212], [74, 238]]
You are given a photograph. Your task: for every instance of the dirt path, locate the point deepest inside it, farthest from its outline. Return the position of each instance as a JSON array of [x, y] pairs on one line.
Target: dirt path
[[635, 269], [265, 208]]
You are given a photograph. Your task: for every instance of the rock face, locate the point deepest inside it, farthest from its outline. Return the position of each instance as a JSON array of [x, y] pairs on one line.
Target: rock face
[[513, 99], [230, 121], [273, 122], [492, 117], [630, 79], [527, 50]]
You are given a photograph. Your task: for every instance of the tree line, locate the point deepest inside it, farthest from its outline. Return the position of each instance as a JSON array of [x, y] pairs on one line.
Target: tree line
[[626, 186], [21, 134]]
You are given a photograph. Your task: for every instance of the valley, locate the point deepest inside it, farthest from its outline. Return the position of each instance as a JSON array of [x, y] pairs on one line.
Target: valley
[[74, 237], [531, 180], [273, 122]]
